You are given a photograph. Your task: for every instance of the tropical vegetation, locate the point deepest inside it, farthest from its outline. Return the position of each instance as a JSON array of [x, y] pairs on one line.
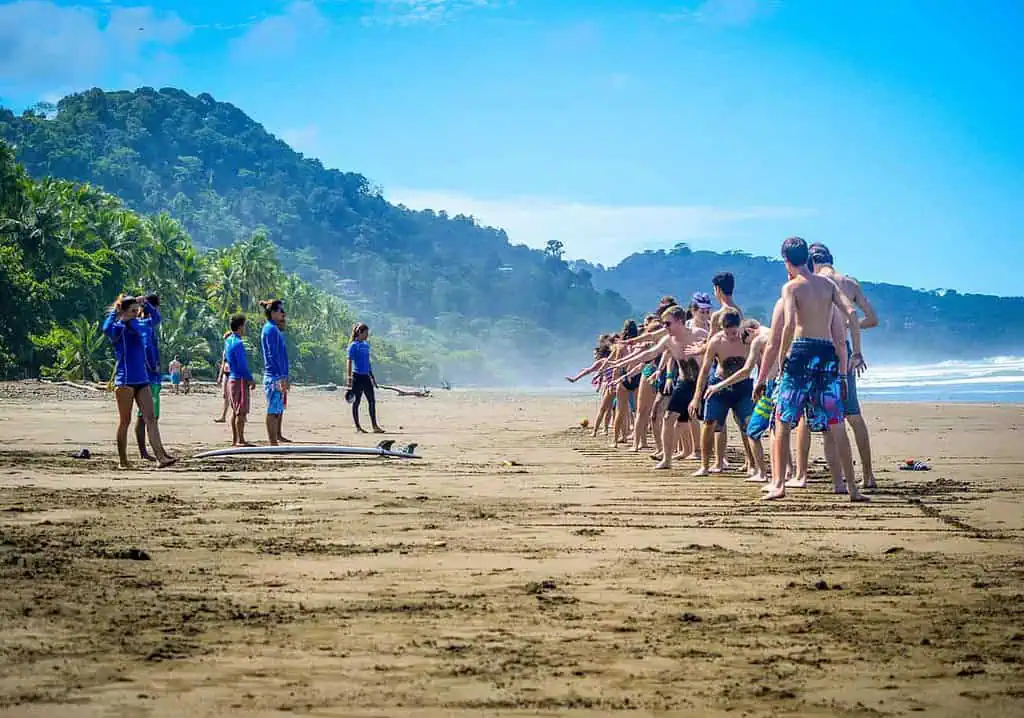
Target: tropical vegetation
[[67, 250]]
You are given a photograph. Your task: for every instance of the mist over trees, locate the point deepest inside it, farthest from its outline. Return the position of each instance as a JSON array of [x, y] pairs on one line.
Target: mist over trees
[[163, 191]]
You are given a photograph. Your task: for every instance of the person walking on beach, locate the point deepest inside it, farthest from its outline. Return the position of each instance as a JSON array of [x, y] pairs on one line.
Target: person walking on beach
[[239, 379], [174, 369], [132, 377], [813, 379], [275, 368], [148, 324], [359, 377], [186, 377]]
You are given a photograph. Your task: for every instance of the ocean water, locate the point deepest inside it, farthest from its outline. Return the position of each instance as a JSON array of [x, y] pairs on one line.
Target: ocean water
[[997, 380]]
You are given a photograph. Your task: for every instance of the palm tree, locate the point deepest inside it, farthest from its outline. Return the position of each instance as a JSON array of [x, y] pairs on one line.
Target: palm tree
[[187, 332], [82, 351]]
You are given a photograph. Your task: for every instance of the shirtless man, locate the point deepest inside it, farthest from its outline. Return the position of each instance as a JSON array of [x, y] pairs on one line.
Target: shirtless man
[[821, 260], [724, 284], [813, 379], [174, 369], [677, 342], [728, 349]]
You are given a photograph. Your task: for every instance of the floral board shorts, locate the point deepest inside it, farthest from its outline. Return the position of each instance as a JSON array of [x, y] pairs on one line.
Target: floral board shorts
[[809, 386]]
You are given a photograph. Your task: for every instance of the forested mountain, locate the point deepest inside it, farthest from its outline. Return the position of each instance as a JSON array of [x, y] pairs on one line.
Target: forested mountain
[[224, 177], [456, 299], [914, 325]]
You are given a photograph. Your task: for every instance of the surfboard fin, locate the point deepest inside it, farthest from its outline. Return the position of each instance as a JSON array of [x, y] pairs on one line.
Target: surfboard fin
[[410, 448], [386, 444]]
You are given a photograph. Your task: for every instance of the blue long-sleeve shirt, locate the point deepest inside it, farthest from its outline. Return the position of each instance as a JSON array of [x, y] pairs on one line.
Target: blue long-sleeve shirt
[[238, 362], [129, 351], [147, 328], [359, 353], [275, 353]]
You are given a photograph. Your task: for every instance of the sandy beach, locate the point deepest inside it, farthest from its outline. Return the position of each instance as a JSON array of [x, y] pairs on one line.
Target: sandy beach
[[520, 568]]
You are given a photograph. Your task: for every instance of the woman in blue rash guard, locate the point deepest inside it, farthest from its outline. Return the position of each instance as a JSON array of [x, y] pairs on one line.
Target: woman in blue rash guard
[[131, 377], [275, 368], [360, 377]]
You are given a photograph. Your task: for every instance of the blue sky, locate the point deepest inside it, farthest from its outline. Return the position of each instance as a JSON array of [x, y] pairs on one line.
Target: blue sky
[[889, 129]]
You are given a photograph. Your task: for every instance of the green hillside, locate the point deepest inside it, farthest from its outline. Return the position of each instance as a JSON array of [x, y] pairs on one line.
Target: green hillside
[[67, 250], [224, 177]]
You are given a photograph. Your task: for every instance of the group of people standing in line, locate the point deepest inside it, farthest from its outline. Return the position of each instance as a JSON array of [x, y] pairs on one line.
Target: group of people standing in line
[[132, 326], [687, 368]]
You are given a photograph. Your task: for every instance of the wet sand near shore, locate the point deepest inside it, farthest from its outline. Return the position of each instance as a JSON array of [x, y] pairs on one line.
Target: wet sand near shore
[[520, 568]]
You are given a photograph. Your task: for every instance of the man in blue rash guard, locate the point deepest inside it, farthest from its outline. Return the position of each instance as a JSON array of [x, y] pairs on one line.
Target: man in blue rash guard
[[275, 368], [148, 325], [239, 380]]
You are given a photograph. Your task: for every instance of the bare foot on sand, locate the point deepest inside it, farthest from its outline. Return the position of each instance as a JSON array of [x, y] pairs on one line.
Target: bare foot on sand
[[168, 461], [775, 492], [756, 478], [797, 483], [702, 472], [663, 465], [859, 499]]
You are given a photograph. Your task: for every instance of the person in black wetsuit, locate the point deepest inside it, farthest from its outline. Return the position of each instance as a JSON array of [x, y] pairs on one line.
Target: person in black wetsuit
[[360, 377]]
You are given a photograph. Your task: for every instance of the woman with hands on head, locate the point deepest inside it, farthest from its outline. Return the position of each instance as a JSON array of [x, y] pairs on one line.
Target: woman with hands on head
[[131, 376]]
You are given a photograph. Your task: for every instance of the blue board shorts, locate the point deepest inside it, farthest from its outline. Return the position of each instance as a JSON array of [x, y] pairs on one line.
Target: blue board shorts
[[175, 378], [275, 397], [737, 398], [809, 386]]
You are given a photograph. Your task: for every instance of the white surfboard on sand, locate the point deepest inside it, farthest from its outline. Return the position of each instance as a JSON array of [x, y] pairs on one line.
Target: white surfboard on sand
[[306, 450]]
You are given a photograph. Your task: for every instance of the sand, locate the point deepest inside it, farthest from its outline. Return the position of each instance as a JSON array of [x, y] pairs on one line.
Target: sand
[[521, 568]]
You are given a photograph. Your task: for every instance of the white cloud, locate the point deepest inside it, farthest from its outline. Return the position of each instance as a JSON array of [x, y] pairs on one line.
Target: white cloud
[[45, 45], [598, 233], [303, 139], [412, 12], [280, 34]]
